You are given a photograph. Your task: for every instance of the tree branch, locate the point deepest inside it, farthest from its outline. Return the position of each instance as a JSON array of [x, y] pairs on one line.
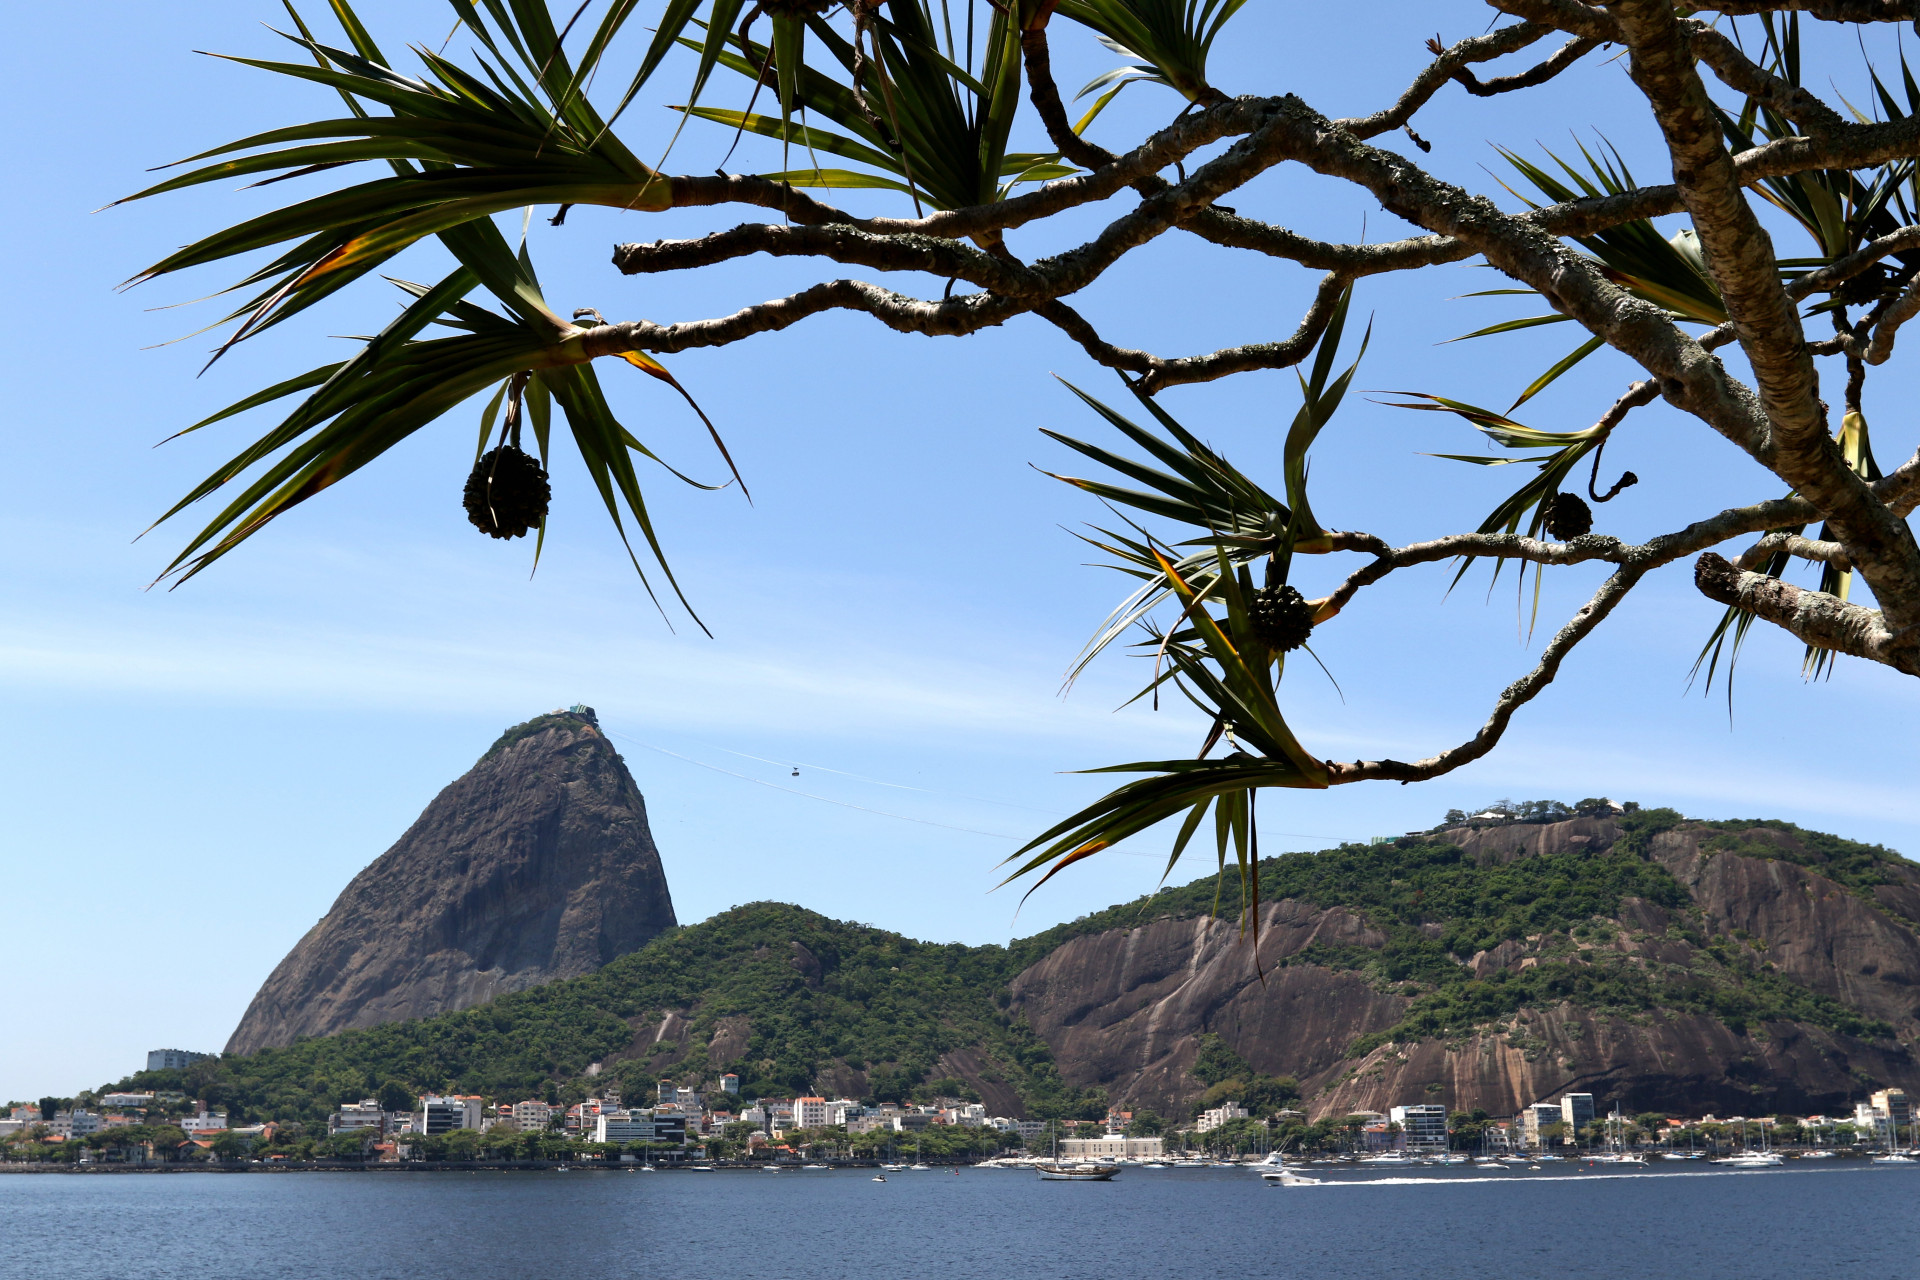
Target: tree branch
[[1794, 545], [1813, 616], [1451, 64], [1511, 699]]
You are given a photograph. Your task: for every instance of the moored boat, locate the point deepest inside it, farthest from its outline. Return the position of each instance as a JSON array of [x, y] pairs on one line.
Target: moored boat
[[1077, 1173]]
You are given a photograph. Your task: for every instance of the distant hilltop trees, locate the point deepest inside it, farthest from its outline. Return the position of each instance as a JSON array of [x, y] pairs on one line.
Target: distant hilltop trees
[[1539, 811]]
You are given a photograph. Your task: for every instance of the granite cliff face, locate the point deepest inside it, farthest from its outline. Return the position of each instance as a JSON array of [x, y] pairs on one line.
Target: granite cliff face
[[1123, 1009], [535, 865]]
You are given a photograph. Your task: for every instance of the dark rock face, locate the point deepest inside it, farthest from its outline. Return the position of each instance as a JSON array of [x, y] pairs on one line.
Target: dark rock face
[[1124, 1009], [535, 865]]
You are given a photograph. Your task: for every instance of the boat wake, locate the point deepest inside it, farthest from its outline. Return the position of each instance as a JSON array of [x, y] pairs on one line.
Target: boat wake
[[1557, 1179]]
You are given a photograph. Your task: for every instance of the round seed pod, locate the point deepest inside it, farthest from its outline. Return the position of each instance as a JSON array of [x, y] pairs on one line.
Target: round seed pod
[[1568, 517], [507, 493], [1281, 618]]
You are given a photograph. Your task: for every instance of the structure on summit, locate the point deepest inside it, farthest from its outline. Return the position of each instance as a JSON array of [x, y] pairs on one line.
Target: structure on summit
[[536, 864]]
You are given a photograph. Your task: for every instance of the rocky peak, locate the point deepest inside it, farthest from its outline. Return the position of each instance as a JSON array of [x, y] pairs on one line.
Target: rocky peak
[[536, 864]]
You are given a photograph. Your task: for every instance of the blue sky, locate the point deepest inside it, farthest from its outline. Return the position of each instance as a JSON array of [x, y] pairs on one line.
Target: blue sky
[[191, 776]]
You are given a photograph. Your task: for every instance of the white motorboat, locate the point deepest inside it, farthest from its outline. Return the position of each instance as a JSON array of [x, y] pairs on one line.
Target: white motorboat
[[1286, 1178], [813, 1166], [1751, 1160], [1894, 1157], [879, 1177], [1816, 1155]]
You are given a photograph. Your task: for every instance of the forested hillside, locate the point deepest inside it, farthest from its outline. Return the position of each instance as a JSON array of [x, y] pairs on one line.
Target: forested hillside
[[1523, 938]]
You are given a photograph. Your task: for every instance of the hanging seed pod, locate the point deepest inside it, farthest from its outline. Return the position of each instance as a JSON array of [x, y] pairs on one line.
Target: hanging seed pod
[[1281, 618], [507, 493], [1568, 517]]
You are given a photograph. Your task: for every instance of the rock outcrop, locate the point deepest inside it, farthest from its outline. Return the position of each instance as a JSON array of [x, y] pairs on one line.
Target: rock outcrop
[[1124, 1009], [536, 864]]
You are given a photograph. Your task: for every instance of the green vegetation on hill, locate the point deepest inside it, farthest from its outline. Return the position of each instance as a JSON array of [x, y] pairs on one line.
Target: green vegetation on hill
[[1438, 908], [789, 1000], [813, 993], [1858, 866], [539, 724]]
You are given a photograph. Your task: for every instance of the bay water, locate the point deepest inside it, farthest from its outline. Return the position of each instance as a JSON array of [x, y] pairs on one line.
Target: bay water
[[1839, 1218]]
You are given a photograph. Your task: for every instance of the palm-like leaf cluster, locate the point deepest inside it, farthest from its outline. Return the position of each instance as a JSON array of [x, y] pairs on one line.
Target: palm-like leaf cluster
[[1211, 652], [1168, 41], [460, 151], [923, 122]]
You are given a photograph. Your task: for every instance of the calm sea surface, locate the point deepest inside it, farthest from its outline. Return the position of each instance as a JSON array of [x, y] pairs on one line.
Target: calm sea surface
[[1855, 1221]]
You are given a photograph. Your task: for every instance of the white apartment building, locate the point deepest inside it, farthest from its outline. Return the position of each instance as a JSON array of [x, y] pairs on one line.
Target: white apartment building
[[1535, 1118], [444, 1114], [70, 1124], [205, 1122], [811, 1113], [364, 1114], [532, 1116], [1424, 1125], [971, 1114], [1213, 1119], [126, 1099], [624, 1126]]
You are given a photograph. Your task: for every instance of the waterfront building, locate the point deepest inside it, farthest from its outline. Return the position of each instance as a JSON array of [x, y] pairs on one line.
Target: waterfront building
[[670, 1125], [1112, 1146], [532, 1116], [1424, 1125], [624, 1126], [445, 1114], [1894, 1106], [173, 1059], [810, 1113], [1576, 1110], [205, 1122], [351, 1116], [971, 1114], [1536, 1118], [1220, 1115]]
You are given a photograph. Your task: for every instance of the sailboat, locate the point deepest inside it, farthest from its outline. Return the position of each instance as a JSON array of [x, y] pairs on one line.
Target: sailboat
[[1749, 1158], [1616, 1152], [1083, 1172], [1893, 1154]]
